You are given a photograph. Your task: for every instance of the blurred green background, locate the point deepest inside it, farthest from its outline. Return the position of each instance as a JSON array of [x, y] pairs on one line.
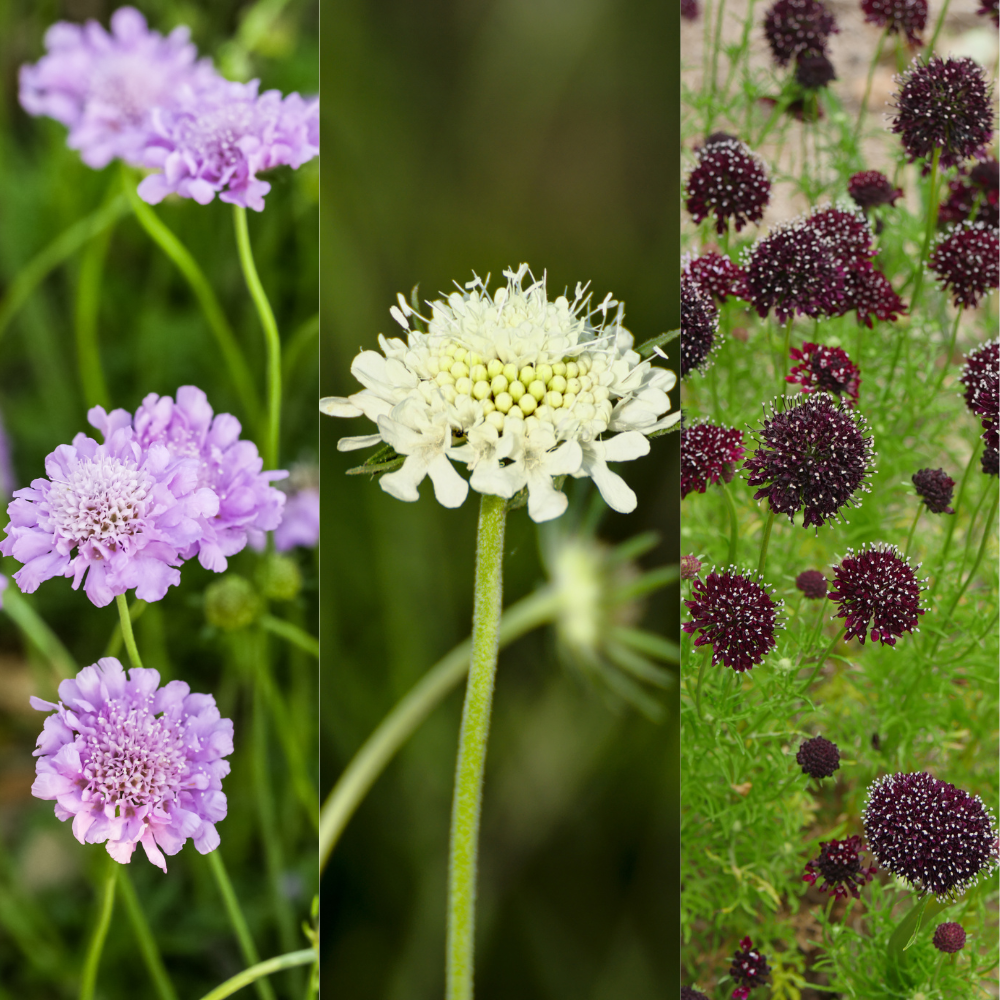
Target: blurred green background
[[153, 338], [477, 134]]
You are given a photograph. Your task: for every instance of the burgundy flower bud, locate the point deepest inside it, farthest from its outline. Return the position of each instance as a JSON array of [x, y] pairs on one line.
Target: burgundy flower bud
[[825, 369], [794, 27], [814, 70], [715, 274], [689, 10], [974, 190], [839, 865], [990, 461], [949, 937], [967, 260], [699, 326], [818, 757], [709, 453], [900, 16], [749, 969], [690, 567], [870, 188], [936, 488], [729, 182], [812, 583]]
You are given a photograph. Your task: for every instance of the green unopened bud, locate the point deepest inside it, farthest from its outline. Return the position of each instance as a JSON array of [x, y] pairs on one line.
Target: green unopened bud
[[231, 603], [279, 578]]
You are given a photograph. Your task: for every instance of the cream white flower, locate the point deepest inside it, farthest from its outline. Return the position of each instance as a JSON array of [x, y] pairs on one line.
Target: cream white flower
[[518, 388]]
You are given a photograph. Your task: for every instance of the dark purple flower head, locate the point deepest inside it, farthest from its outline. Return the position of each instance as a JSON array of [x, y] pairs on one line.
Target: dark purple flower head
[[736, 615], [867, 291], [709, 453], [796, 27], [825, 369], [104, 87], [946, 104], [980, 375], [975, 189], [990, 458], [877, 587], [936, 489], [749, 969], [869, 188], [932, 834], [689, 10], [814, 70], [688, 993], [839, 865], [699, 326], [900, 16], [967, 260], [812, 583], [690, 567], [813, 456], [818, 757], [133, 763], [729, 182], [715, 274], [990, 8], [848, 234], [949, 937]]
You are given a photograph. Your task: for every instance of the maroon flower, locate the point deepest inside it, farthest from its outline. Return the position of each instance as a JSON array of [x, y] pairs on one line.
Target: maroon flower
[[870, 188], [980, 375], [812, 583], [946, 104], [936, 836], [689, 9], [708, 453], [839, 865], [729, 182], [936, 488], [813, 456], [990, 459], [818, 757], [990, 8], [949, 937], [975, 189], [795, 27], [715, 274], [699, 326], [848, 234], [900, 16], [690, 567], [877, 587], [687, 993], [749, 969], [967, 260], [814, 70], [825, 369], [867, 291], [736, 615]]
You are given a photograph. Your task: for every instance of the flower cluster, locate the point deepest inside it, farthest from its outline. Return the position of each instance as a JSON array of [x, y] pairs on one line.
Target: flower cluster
[[818, 757], [839, 865], [729, 182], [901, 17], [699, 326], [518, 388], [936, 489], [870, 188], [967, 260], [708, 453], [796, 28], [825, 369], [749, 969], [133, 763], [974, 195], [715, 275]]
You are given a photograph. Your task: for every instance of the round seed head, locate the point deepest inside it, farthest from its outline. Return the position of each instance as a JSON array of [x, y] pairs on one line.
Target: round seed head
[[936, 488], [818, 757], [812, 583], [729, 182], [949, 937]]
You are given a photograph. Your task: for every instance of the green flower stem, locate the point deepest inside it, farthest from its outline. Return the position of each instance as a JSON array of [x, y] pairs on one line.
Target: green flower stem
[[768, 524], [229, 347], [705, 660], [114, 646], [409, 713], [144, 937], [61, 248], [784, 358], [238, 922], [37, 631], [271, 338], [88, 300], [296, 346], [126, 623], [815, 632], [932, 216], [924, 910], [734, 525], [939, 24], [913, 528], [88, 980], [464, 842], [819, 665], [256, 972], [719, 18], [868, 87], [947, 357], [950, 530], [291, 633]]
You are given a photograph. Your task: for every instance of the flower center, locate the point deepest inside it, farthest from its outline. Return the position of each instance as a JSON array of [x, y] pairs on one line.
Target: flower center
[[130, 85], [213, 135], [839, 862]]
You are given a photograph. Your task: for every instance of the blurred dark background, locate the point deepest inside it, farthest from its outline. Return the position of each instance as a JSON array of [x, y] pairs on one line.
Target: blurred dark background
[[477, 134]]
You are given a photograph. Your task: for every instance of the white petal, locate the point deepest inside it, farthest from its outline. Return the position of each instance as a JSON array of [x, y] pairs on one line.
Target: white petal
[[564, 461], [449, 487], [489, 478], [402, 484], [625, 447], [355, 443], [338, 406], [545, 502], [668, 421], [616, 492], [399, 317]]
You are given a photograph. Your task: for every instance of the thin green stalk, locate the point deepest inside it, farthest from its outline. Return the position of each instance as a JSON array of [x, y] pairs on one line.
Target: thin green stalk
[[256, 973], [238, 922], [290, 632], [719, 17], [950, 530], [734, 525], [271, 338], [463, 851], [88, 301], [913, 528], [815, 632], [701, 675], [37, 631], [409, 713], [868, 87], [764, 541], [947, 357], [88, 980], [938, 25], [296, 346], [932, 217], [144, 938], [126, 623], [114, 646], [784, 357], [819, 666]]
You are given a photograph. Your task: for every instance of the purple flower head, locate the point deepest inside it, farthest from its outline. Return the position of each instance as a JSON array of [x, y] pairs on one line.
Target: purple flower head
[[990, 8], [708, 453], [699, 326], [967, 260], [818, 757], [225, 464], [932, 834], [976, 189], [848, 234], [749, 969], [812, 583], [877, 587], [300, 521], [990, 458], [796, 27], [980, 375], [715, 275], [736, 615], [814, 70], [839, 865], [869, 188], [729, 182], [825, 369], [104, 87], [689, 993], [813, 456], [129, 513], [949, 937], [936, 489], [946, 104], [900, 16], [690, 567], [689, 10], [133, 763], [217, 141], [867, 291]]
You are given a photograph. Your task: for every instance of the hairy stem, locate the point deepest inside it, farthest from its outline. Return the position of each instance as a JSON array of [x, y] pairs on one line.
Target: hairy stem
[[256, 973], [88, 980]]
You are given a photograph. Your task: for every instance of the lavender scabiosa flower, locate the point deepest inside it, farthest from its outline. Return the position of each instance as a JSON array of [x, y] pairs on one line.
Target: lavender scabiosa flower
[[943, 104], [128, 512], [867, 291], [796, 27], [813, 456], [104, 87], [930, 833], [814, 70], [216, 142], [877, 587], [818, 757], [736, 615], [949, 937], [690, 567], [133, 763], [825, 369], [715, 274], [936, 489], [839, 865], [869, 188], [967, 261], [901, 17], [812, 583], [709, 452], [699, 326], [749, 969], [730, 182], [300, 522]]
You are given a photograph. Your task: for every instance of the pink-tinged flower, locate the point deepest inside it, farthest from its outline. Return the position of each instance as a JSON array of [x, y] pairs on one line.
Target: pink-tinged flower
[[901, 17], [133, 763], [930, 833], [867, 291], [690, 567], [877, 587], [949, 937], [217, 141], [736, 615], [825, 369], [797, 27], [869, 188], [936, 488], [749, 969], [300, 523], [730, 182], [227, 465], [945, 104], [818, 757], [699, 326], [974, 195], [709, 453], [812, 583], [128, 512], [967, 260], [839, 865], [715, 275], [104, 87]]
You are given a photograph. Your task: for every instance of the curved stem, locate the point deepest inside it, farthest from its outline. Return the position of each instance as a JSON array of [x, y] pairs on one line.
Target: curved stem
[[788, 347], [271, 338], [868, 87], [950, 530], [114, 646], [126, 620], [765, 540], [913, 528], [88, 300], [88, 980], [463, 853], [932, 215], [291, 633], [819, 666], [734, 526], [947, 357], [929, 49], [144, 938], [256, 972]]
